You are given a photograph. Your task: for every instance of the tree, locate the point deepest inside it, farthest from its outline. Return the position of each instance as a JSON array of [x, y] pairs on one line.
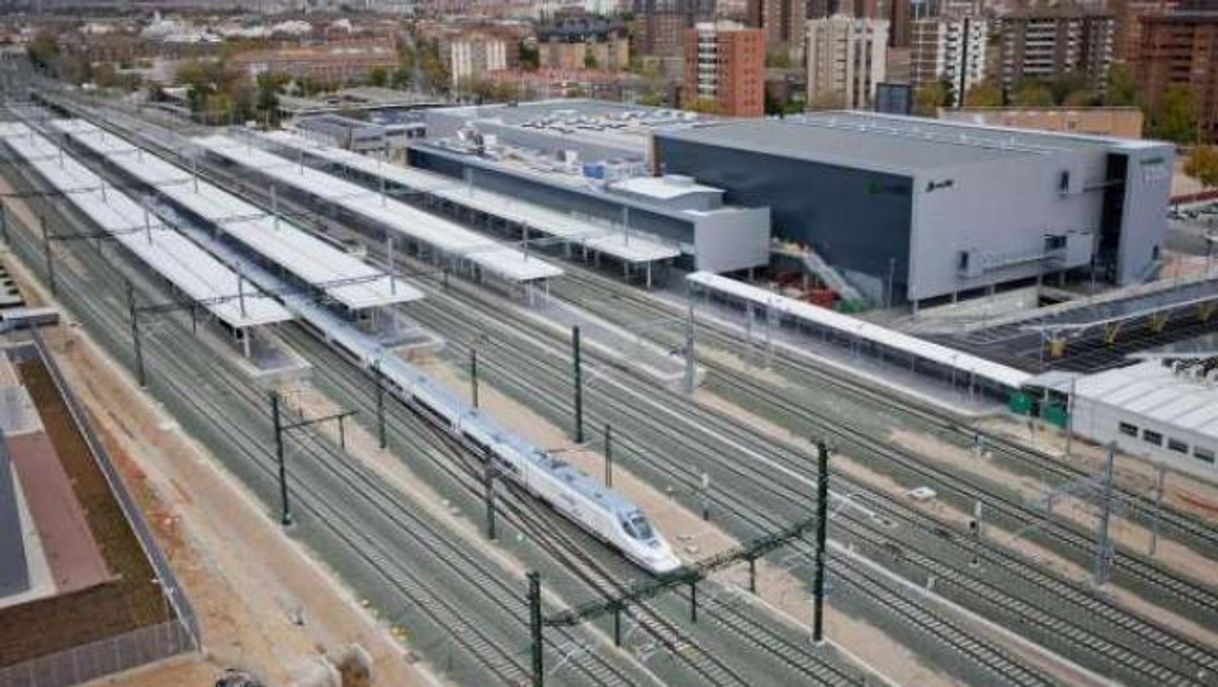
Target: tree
[[377, 76], [530, 56], [1121, 86], [267, 103], [930, 98], [43, 49], [1202, 165], [1175, 117], [985, 94], [1068, 86], [704, 106], [1032, 93], [778, 58], [1083, 98], [589, 60]]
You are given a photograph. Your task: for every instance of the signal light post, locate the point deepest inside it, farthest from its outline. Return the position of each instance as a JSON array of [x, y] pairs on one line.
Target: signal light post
[[579, 387], [280, 428]]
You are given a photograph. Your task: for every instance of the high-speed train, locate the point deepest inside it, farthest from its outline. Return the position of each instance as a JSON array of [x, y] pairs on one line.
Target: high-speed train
[[602, 512]]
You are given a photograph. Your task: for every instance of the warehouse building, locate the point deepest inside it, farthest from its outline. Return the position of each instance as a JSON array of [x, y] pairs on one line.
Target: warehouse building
[[1164, 410], [910, 209]]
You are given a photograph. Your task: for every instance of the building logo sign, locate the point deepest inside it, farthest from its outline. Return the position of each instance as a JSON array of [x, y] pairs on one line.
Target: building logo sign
[[936, 185]]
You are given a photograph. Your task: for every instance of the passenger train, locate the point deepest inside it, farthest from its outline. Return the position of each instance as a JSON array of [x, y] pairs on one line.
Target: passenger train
[[602, 512]]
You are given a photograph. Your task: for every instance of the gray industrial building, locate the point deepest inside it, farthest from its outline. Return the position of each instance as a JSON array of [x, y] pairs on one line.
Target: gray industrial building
[[591, 159], [916, 209]]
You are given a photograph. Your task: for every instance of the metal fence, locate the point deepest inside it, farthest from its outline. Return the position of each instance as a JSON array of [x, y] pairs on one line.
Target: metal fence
[[131, 649], [104, 657]]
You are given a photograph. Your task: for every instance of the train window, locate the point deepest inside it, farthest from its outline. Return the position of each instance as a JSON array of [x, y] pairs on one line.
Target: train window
[[1152, 437], [1128, 429], [637, 527], [1177, 446], [1203, 454]]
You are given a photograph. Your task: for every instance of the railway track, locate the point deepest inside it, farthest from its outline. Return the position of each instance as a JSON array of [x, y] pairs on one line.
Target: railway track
[[526, 372], [587, 291], [233, 412]]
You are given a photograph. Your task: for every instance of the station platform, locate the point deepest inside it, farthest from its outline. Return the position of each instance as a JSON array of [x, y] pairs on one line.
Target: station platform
[[947, 387]]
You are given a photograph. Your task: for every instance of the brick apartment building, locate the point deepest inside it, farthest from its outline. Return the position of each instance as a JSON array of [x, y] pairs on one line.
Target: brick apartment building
[[1182, 48], [725, 64], [332, 63], [1045, 43]]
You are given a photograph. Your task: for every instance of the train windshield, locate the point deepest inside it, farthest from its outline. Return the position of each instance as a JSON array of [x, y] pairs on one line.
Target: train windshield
[[637, 526]]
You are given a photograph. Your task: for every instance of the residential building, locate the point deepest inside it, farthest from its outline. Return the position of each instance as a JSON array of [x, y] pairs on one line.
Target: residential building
[[332, 63], [1127, 30], [471, 57], [662, 24], [1047, 43], [781, 20], [1181, 48], [847, 57], [725, 64], [1120, 122], [582, 41], [952, 51]]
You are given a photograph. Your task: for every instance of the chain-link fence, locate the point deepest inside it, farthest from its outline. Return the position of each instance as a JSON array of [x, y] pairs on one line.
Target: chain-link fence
[[105, 657]]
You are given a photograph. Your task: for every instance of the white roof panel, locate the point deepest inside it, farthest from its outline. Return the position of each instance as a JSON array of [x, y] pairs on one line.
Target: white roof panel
[[447, 236], [343, 277], [594, 233], [889, 338], [191, 269], [1153, 391]]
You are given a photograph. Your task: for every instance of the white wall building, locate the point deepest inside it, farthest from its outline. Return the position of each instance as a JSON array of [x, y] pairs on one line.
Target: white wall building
[[952, 51], [1153, 412], [470, 58], [846, 57]]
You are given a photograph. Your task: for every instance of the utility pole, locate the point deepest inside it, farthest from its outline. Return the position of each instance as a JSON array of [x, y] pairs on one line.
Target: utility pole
[[134, 314], [4, 221], [46, 252], [1103, 545], [822, 524], [608, 455], [1154, 530], [280, 430], [286, 518], [691, 363], [380, 404], [473, 375], [535, 627], [488, 480], [579, 387]]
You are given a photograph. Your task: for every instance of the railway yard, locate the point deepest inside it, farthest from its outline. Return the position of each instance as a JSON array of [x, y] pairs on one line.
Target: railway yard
[[385, 453]]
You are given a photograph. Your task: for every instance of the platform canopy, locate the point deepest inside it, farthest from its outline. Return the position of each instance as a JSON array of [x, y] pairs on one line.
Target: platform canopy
[[891, 339], [448, 237], [341, 276], [596, 234], [193, 271]]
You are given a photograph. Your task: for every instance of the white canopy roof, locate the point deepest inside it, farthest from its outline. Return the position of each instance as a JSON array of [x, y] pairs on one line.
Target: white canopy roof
[[343, 277], [966, 362], [449, 237], [187, 266], [594, 233]]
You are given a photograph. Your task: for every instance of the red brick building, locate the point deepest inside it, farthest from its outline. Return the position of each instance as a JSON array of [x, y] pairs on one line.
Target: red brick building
[[725, 65], [1182, 48]]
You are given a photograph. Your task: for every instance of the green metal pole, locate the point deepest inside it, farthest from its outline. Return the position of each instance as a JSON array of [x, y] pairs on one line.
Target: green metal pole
[[822, 524], [286, 518], [535, 628], [579, 387], [135, 336]]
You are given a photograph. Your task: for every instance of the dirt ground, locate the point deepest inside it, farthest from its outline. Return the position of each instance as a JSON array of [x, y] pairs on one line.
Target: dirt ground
[[220, 543]]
